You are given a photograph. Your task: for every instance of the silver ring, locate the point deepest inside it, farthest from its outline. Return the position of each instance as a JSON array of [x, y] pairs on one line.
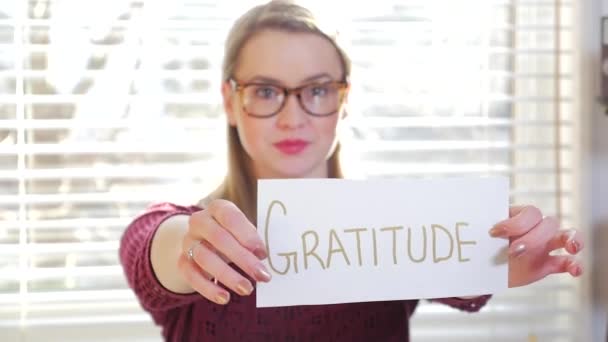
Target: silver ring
[[190, 251], [190, 254]]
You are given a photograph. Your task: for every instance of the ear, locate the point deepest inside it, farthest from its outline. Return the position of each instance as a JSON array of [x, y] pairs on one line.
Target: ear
[[228, 98]]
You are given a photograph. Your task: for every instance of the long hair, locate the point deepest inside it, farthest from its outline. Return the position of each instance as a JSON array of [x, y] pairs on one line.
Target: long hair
[[240, 185]]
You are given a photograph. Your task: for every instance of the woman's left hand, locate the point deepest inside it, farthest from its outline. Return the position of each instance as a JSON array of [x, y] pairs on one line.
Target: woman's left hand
[[532, 238]]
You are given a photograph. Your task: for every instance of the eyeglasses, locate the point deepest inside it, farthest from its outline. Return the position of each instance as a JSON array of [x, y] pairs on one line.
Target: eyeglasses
[[263, 100]]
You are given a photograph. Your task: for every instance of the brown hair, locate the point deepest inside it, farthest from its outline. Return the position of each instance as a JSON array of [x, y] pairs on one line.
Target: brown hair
[[239, 185]]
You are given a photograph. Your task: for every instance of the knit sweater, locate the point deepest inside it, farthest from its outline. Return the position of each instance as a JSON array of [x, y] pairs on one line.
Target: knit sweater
[[191, 317]]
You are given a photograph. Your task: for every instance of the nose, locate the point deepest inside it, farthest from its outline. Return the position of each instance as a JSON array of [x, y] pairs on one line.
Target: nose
[[292, 115]]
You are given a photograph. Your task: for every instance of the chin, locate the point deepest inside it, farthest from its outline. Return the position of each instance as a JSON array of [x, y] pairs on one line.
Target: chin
[[294, 170], [292, 174]]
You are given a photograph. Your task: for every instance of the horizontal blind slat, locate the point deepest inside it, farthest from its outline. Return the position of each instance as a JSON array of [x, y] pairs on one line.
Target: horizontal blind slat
[[194, 147], [40, 273]]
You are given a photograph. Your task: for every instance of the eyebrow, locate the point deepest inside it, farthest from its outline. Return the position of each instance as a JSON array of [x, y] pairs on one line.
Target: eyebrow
[[265, 79]]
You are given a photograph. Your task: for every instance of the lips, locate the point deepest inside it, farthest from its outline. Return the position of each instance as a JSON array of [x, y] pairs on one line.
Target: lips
[[291, 146]]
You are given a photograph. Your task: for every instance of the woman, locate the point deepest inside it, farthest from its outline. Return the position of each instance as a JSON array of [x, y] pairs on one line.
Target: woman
[[194, 268]]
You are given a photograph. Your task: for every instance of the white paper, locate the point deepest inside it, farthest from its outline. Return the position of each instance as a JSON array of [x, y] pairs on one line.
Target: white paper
[[388, 262]]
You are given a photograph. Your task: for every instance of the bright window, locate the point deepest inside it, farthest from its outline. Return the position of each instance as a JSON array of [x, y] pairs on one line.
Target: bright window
[[106, 106]]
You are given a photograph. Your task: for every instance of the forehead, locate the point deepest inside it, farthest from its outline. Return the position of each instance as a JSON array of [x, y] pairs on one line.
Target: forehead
[[287, 56]]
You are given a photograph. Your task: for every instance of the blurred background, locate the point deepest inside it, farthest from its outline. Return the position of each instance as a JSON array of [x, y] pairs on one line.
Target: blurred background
[[107, 106]]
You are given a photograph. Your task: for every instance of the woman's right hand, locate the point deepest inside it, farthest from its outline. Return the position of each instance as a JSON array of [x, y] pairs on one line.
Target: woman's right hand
[[218, 238]]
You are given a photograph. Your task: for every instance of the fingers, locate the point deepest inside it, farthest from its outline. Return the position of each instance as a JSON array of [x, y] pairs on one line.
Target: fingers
[[535, 238], [226, 236], [515, 209], [232, 219], [522, 221], [225, 243], [570, 239], [562, 264], [210, 262], [207, 288]]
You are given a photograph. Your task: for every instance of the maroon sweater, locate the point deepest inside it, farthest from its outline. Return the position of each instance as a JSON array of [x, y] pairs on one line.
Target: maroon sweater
[[192, 317]]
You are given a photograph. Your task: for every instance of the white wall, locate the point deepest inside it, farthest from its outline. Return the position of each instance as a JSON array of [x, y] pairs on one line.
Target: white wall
[[595, 161]]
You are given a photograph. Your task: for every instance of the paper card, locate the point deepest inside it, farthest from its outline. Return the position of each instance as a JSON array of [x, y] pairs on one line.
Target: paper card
[[339, 241]]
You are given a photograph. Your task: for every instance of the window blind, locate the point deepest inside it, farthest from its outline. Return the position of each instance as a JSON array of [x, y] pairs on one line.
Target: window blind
[[107, 106]]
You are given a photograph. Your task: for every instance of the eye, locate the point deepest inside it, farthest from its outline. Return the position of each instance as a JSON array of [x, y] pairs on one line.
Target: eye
[[266, 92], [319, 90]]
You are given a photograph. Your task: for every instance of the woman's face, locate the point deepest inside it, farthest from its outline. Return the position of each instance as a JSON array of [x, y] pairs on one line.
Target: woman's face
[[292, 143]]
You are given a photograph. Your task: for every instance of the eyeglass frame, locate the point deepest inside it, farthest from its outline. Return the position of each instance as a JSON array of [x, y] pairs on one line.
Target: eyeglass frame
[[287, 91]]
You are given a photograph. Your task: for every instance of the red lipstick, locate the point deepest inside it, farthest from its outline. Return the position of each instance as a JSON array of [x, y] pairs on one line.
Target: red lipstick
[[291, 146]]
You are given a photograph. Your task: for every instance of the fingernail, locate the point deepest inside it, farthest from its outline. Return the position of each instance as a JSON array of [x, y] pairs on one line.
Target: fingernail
[[244, 288], [260, 252], [262, 275], [517, 250], [575, 269], [569, 235], [575, 246], [222, 298], [498, 231]]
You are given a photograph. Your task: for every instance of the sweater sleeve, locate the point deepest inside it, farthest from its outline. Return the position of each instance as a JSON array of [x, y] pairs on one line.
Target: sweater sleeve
[[468, 305], [135, 259]]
